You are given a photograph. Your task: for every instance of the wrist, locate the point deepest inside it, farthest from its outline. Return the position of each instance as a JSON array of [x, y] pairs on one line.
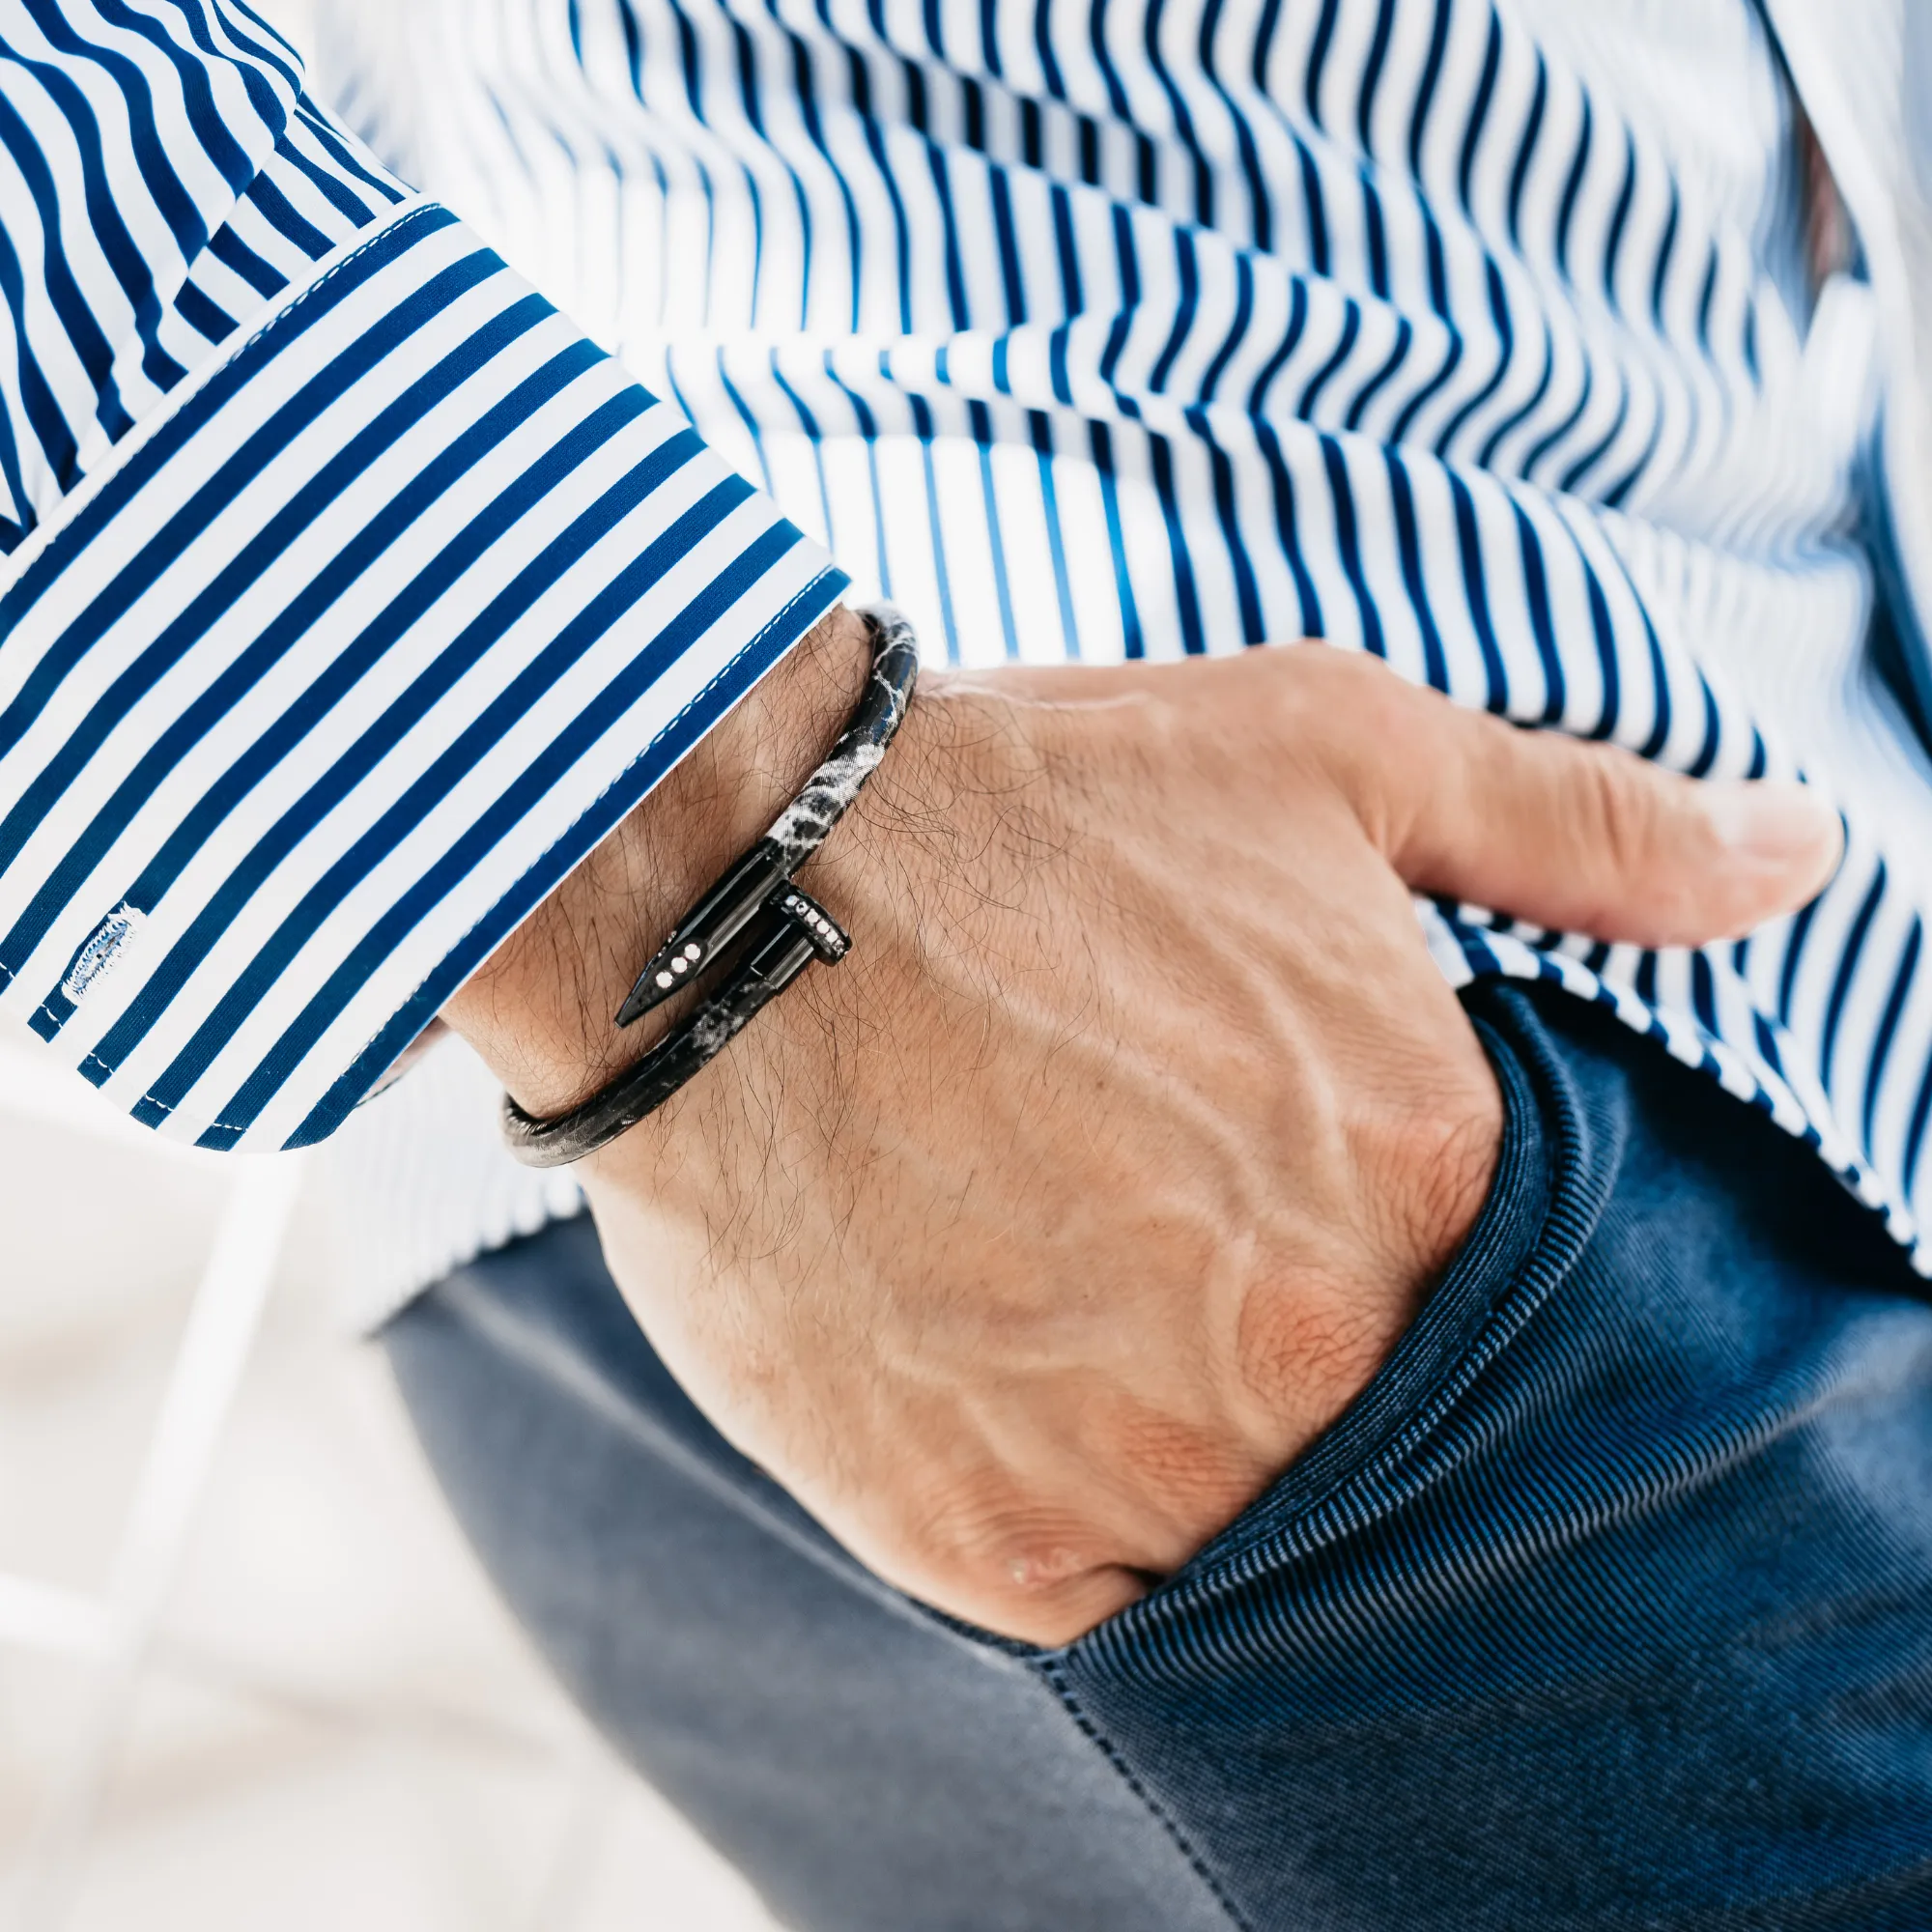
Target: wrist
[[540, 1009]]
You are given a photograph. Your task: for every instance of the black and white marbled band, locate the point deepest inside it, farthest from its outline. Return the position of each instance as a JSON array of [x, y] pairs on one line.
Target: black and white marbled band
[[783, 930]]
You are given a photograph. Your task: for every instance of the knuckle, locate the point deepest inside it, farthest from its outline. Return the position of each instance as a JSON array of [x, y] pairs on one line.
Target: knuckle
[[1450, 1165], [1357, 722], [1002, 1546], [1319, 674], [1307, 1350], [1590, 809], [1356, 691], [1189, 1476], [1618, 810]]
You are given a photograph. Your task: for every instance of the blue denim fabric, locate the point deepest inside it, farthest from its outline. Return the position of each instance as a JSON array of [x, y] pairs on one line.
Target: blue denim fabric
[[1608, 1605]]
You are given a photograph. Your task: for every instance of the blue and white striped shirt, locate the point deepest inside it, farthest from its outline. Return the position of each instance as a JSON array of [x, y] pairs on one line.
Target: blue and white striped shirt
[[353, 593]]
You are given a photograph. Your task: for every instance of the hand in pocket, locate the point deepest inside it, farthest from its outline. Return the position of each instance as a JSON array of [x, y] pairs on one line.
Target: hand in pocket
[[1031, 1243]]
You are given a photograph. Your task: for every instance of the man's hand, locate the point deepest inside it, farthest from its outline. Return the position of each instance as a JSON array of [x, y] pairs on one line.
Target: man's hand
[[1029, 1244]]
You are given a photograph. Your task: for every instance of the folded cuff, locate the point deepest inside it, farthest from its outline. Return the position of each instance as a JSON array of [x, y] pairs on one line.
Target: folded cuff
[[358, 647]]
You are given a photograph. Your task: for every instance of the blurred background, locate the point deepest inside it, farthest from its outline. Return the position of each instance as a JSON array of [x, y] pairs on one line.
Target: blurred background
[[249, 1673]]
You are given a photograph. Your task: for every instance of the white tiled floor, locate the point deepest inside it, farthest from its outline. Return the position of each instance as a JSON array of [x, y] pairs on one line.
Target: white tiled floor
[[336, 1725]]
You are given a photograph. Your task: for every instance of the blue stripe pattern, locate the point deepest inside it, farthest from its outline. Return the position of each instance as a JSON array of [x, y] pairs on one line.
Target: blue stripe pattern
[[353, 594], [350, 595], [1475, 333]]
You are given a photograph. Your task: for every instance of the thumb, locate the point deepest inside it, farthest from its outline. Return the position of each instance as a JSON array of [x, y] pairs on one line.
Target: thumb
[[1583, 837]]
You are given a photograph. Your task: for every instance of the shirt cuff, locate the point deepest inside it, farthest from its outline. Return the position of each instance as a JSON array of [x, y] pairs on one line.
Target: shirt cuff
[[357, 646]]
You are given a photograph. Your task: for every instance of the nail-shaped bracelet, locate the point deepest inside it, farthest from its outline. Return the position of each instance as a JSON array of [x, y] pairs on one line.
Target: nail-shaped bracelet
[[755, 915]]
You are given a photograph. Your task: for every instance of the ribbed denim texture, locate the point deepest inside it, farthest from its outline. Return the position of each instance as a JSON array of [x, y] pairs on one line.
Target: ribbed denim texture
[[1608, 1605]]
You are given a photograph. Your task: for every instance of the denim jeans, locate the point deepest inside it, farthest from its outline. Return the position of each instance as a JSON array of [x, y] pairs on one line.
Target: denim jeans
[[1608, 1604]]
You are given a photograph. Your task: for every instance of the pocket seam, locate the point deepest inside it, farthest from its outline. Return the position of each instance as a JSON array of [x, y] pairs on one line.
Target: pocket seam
[[1309, 1504], [1051, 1669]]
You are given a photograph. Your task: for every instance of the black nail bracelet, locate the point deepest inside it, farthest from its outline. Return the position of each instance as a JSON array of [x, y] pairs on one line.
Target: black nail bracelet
[[782, 928]]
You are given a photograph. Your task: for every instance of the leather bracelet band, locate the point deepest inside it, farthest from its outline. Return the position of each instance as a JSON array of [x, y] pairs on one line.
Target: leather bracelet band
[[782, 928]]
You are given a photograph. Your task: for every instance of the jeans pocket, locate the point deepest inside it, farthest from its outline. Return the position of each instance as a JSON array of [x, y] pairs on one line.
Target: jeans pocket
[[1521, 1244], [1376, 1451]]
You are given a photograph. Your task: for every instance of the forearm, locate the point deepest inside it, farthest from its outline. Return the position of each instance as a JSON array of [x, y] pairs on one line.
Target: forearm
[[539, 1010]]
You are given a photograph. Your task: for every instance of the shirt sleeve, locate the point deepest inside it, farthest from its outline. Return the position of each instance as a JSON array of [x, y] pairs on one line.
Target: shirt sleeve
[[349, 598]]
